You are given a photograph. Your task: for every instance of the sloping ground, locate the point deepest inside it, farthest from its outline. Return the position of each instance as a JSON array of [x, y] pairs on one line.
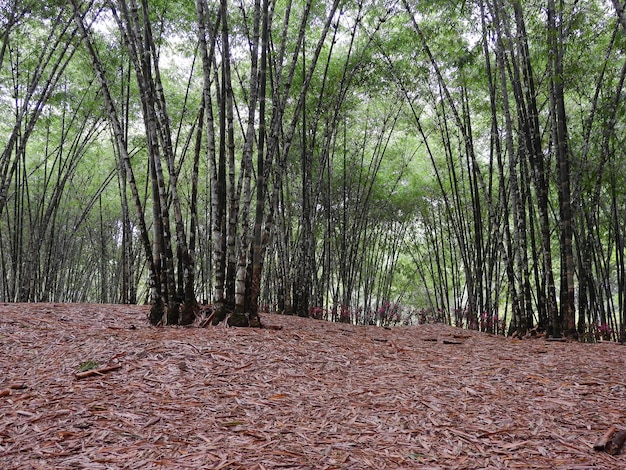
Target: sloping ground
[[312, 395]]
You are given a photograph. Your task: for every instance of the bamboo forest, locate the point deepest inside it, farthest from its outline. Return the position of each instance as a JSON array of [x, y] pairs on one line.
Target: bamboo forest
[[371, 162]]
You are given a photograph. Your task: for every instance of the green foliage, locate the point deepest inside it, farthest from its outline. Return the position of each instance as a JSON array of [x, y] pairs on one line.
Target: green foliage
[[88, 365], [408, 200]]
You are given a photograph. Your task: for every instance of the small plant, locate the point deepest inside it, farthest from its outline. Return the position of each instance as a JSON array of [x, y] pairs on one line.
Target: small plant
[[458, 317], [389, 314], [595, 332], [318, 313], [605, 332], [88, 365], [345, 314], [489, 322], [601, 331]]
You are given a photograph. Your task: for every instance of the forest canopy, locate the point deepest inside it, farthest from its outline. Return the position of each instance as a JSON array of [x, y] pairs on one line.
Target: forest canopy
[[374, 162]]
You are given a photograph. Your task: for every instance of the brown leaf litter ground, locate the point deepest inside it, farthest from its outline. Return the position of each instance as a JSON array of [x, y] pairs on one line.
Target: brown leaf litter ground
[[312, 395]]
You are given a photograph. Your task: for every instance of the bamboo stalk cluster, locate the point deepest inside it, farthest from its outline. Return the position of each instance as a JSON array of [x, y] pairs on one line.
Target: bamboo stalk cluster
[[459, 164]]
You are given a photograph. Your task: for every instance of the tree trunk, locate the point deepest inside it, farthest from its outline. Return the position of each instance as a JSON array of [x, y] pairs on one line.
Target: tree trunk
[[121, 147], [560, 137]]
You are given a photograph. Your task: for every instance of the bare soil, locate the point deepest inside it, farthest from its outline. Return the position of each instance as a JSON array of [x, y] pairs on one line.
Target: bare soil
[[96, 387]]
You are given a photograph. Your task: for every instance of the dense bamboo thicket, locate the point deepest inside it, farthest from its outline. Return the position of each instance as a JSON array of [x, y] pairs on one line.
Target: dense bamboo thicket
[[369, 162]]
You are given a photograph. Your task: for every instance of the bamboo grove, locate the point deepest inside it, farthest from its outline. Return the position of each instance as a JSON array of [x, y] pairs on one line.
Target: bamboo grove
[[380, 161]]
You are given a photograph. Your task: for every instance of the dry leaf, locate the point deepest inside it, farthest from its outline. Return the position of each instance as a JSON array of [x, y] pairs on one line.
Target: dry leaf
[[304, 395]]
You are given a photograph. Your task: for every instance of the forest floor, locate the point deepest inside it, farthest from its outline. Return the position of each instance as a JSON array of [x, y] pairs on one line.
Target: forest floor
[[300, 393]]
